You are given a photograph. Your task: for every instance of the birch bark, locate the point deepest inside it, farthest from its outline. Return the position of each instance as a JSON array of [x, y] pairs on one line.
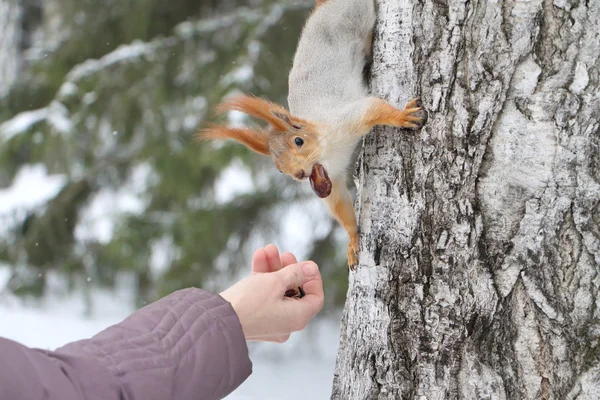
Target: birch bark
[[480, 234]]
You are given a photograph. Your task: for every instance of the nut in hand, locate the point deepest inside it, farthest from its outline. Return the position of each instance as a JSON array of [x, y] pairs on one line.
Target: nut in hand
[[296, 293]]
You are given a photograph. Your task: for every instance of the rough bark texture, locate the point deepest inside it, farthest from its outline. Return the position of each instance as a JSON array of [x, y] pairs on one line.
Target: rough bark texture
[[480, 239]]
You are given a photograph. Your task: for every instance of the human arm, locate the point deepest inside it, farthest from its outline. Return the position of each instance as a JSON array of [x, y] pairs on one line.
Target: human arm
[[188, 345]]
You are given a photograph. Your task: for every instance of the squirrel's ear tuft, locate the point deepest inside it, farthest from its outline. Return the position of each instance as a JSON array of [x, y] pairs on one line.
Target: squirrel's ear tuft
[[256, 140], [285, 117], [272, 113]]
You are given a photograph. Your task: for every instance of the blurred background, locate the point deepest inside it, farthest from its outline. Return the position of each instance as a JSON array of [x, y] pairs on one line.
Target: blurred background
[[106, 200]]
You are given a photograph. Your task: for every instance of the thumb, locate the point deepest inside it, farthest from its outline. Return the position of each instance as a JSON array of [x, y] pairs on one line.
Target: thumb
[[297, 274]]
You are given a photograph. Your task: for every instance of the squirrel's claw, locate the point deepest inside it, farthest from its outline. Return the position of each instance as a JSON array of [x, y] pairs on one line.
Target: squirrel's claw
[[352, 259], [414, 103], [353, 255], [416, 114]]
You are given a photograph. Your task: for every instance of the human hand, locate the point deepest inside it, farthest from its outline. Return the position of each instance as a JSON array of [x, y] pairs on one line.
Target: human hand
[[259, 301]]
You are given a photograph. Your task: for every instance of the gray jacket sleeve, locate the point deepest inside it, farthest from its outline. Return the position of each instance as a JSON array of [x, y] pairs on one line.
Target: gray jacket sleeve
[[188, 345]]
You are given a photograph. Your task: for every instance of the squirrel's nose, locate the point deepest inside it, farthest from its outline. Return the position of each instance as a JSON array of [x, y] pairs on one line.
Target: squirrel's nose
[[301, 174]]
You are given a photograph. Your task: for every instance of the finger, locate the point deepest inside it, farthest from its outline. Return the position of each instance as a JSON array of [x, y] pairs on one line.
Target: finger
[[296, 313], [260, 263], [313, 300], [287, 258], [297, 274], [272, 253], [314, 287]]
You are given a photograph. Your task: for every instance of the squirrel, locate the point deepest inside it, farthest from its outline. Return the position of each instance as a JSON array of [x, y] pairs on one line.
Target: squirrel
[[330, 108]]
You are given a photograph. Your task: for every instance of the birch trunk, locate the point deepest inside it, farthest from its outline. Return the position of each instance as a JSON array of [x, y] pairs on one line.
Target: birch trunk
[[480, 234]]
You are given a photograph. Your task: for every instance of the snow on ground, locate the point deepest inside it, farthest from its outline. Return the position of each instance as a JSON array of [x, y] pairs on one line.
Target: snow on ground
[[59, 318], [302, 367]]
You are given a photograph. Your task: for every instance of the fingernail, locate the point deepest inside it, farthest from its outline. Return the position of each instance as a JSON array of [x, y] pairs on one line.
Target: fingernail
[[309, 269]]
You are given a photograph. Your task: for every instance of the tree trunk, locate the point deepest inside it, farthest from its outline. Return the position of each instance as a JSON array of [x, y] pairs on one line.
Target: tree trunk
[[480, 238]]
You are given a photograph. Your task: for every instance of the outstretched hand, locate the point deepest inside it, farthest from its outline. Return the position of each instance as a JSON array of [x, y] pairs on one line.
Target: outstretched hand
[[265, 313]]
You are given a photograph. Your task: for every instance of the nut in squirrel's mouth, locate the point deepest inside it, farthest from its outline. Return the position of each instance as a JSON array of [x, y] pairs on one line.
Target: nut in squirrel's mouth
[[319, 181]]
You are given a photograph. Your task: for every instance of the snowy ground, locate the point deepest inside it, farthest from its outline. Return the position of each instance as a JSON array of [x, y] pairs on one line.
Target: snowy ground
[[280, 370]]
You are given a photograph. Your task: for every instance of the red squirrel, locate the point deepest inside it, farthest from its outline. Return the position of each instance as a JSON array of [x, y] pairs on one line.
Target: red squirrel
[[330, 108]]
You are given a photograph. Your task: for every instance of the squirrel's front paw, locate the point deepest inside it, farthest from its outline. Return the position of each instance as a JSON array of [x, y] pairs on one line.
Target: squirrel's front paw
[[416, 114], [353, 255]]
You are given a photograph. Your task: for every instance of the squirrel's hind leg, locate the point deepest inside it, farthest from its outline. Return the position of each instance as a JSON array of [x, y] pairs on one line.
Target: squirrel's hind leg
[[341, 207]]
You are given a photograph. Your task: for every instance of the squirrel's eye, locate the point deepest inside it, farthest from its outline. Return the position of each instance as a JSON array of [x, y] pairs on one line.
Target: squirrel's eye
[[299, 142]]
